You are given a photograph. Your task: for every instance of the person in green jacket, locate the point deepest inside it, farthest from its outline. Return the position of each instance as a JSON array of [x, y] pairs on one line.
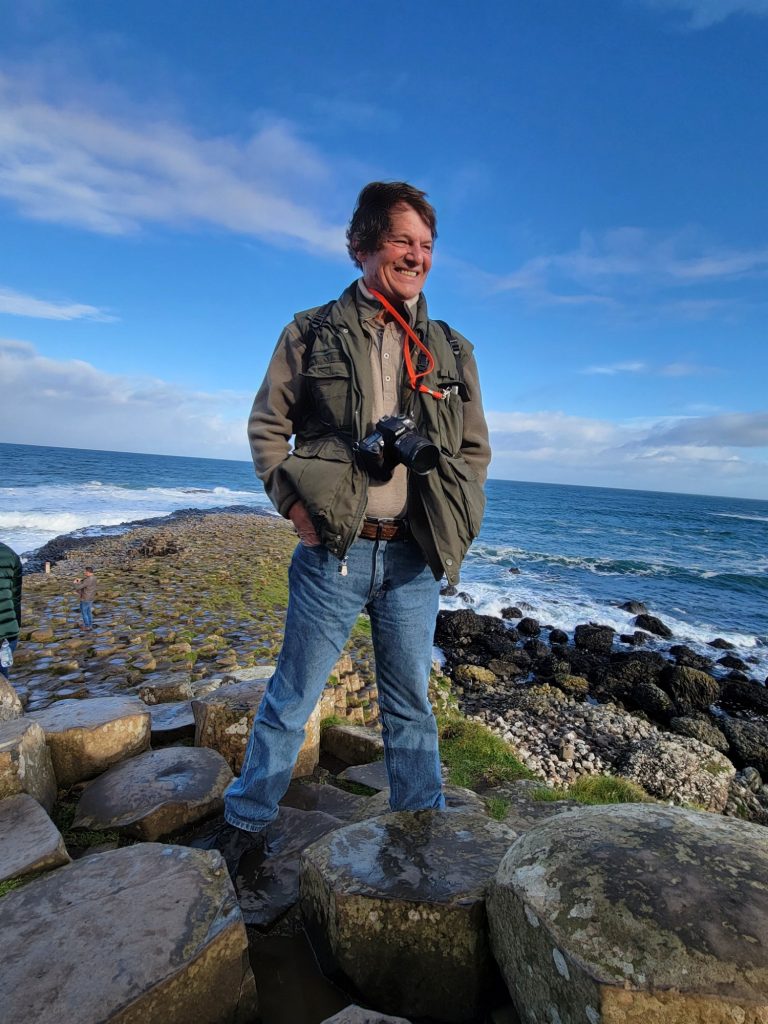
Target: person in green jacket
[[10, 601], [384, 486]]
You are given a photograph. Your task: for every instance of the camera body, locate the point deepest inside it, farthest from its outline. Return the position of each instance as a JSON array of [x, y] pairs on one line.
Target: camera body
[[395, 440]]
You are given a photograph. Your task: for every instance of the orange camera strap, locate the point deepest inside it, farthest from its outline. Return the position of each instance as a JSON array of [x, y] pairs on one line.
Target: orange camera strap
[[413, 376]]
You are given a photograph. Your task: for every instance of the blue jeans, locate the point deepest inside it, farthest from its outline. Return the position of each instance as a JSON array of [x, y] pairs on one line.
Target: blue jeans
[[12, 644], [393, 582], [86, 610]]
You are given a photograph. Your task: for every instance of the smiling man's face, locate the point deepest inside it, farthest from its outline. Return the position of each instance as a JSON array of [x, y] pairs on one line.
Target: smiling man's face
[[399, 268]]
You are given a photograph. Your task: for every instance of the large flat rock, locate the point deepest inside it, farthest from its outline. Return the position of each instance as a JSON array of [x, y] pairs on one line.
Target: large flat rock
[[635, 913], [88, 736], [172, 722], [223, 721], [156, 793], [149, 934], [373, 775], [312, 796], [29, 841], [25, 762], [395, 906]]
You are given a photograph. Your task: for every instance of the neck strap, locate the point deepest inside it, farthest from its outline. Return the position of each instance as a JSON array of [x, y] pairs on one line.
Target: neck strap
[[413, 376]]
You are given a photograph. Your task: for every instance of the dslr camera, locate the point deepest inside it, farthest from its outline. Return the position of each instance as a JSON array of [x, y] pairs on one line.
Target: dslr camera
[[395, 440]]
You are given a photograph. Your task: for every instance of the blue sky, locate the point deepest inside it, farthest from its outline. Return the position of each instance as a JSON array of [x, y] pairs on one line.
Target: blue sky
[[175, 179]]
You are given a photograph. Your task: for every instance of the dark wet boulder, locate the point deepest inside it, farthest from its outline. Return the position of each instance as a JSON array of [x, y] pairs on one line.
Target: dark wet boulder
[[512, 666], [720, 644], [740, 696], [594, 638], [448, 590], [748, 744], [625, 672], [649, 698], [636, 639], [558, 636], [528, 627], [395, 905], [653, 625], [536, 649], [551, 666], [634, 913], [687, 657], [457, 628], [700, 729], [511, 612], [737, 676], [690, 689], [731, 661], [312, 796], [633, 607]]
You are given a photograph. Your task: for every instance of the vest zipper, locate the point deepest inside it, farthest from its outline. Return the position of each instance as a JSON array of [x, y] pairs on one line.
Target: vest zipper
[[360, 511]]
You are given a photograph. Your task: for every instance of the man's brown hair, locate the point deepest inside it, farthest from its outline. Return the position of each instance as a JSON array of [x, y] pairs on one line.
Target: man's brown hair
[[371, 217]]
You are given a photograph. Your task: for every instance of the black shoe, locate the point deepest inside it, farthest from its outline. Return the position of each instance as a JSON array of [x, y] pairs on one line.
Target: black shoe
[[232, 843]]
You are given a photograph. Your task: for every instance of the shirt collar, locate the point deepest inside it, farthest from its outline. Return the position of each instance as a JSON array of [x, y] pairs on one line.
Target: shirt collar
[[371, 306]]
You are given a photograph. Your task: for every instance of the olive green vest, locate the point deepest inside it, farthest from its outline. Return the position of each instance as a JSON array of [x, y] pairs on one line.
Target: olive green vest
[[445, 507]]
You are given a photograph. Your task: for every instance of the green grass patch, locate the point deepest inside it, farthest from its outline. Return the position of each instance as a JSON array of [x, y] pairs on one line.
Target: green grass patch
[[63, 815], [497, 807], [10, 884], [326, 723], [362, 628], [473, 754], [596, 789]]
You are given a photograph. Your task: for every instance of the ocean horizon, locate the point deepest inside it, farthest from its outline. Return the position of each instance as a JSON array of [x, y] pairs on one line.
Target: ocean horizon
[[566, 553]]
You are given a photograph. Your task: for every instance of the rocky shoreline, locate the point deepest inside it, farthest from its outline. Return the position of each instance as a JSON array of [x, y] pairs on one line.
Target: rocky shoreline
[[206, 592]]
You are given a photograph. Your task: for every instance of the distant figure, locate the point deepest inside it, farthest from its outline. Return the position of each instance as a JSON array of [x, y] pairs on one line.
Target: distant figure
[[385, 489], [10, 605], [86, 591]]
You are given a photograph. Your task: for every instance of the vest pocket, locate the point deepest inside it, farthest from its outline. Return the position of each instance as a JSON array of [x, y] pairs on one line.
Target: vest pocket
[[329, 385], [464, 496]]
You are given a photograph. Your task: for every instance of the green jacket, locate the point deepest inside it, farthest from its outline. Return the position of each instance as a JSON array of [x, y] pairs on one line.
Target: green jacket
[[325, 397], [10, 593]]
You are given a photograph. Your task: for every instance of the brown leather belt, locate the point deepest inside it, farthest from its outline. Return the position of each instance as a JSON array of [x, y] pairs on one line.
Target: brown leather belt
[[384, 529]]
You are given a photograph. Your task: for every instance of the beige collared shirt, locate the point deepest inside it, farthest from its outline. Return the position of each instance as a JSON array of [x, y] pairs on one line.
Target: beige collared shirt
[[387, 500]]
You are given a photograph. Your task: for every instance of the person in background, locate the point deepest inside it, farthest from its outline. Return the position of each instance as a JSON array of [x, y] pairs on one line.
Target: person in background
[[10, 605], [383, 508], [86, 591]]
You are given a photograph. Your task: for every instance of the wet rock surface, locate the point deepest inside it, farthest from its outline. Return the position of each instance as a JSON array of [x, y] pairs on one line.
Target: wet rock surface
[[29, 841], [157, 793], [171, 722], [373, 775], [25, 762], [634, 912], [166, 917], [398, 898], [88, 736], [310, 796], [10, 703], [353, 744]]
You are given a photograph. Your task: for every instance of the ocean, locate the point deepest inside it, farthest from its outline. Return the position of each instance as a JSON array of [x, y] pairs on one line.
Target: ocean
[[565, 554]]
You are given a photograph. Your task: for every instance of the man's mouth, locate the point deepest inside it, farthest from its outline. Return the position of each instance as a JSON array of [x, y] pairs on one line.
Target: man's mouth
[[408, 273]]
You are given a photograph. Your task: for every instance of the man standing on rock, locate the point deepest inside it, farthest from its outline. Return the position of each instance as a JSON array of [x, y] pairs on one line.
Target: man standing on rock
[[384, 506], [10, 605], [86, 591]]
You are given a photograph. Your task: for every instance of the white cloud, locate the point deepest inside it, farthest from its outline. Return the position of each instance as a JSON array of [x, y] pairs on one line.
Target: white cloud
[[704, 13], [630, 267], [74, 404], [668, 370], [709, 454], [68, 164], [17, 304]]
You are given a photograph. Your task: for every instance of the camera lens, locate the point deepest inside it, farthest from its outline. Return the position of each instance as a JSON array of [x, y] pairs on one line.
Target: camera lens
[[417, 453]]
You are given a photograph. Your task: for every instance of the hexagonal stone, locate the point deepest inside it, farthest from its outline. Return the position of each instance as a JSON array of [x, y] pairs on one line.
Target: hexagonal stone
[[457, 798], [88, 736], [373, 775], [25, 762], [172, 722], [29, 841], [396, 905], [635, 912], [311, 796], [148, 933], [223, 720], [167, 688], [156, 793], [353, 744]]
